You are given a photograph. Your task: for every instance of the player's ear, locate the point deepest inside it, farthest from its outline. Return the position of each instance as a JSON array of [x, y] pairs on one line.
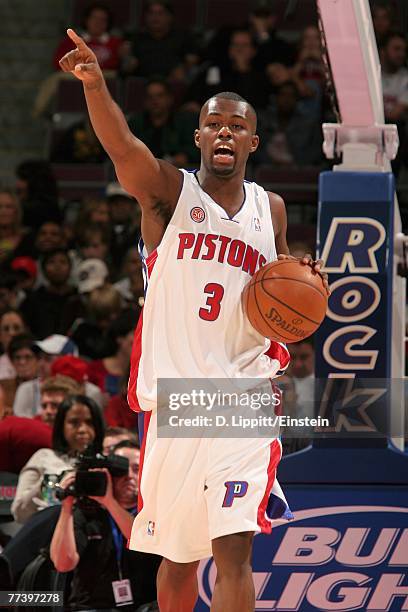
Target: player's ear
[[197, 138], [254, 143]]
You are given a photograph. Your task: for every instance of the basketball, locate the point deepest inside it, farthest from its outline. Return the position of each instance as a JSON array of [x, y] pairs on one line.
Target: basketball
[[285, 301]]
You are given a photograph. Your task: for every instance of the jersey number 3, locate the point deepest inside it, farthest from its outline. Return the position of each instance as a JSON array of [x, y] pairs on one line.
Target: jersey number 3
[[213, 303]]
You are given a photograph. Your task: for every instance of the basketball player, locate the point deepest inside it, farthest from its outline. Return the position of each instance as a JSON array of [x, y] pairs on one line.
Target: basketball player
[[204, 234]]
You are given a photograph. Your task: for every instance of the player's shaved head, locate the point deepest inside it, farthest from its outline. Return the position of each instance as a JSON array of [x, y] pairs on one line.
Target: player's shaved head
[[234, 97]]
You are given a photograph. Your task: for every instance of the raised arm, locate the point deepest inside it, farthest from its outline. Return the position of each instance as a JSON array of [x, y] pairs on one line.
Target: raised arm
[[156, 184]]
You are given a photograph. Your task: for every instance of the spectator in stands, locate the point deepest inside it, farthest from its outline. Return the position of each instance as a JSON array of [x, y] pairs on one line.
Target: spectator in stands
[[393, 54], [8, 291], [117, 412], [107, 372], [125, 220], [25, 269], [103, 306], [271, 47], [43, 308], [72, 550], [37, 191], [165, 131], [115, 435], [301, 370], [48, 238], [131, 286], [27, 401], [77, 369], [91, 212], [12, 232], [240, 75], [293, 438], [89, 274], [78, 145], [54, 390], [77, 425], [383, 19], [288, 137], [160, 48], [92, 243], [24, 359], [96, 28], [108, 48], [308, 72], [11, 324]]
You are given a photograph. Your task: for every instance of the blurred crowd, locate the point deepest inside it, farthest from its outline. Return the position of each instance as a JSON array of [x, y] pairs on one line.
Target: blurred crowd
[[71, 283]]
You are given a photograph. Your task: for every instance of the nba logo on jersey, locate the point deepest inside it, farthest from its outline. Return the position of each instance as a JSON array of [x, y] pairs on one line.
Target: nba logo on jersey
[[257, 224], [150, 528]]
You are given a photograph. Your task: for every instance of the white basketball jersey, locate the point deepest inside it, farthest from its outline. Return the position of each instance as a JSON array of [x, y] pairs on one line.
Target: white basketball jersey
[[193, 321]]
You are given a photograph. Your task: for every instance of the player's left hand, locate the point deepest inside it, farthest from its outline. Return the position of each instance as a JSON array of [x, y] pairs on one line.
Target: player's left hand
[[315, 264]]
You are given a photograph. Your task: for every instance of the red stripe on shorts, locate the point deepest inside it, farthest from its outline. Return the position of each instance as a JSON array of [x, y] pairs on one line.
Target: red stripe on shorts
[[147, 416], [275, 454]]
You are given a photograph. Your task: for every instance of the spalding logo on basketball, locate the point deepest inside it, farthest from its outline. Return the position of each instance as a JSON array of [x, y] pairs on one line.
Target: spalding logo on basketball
[[197, 214], [285, 301]]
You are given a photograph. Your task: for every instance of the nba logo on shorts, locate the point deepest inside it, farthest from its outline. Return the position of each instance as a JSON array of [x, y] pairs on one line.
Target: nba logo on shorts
[[150, 528], [197, 214], [257, 224], [235, 489]]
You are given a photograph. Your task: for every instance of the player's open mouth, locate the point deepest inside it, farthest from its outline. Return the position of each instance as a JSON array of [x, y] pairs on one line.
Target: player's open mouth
[[223, 155]]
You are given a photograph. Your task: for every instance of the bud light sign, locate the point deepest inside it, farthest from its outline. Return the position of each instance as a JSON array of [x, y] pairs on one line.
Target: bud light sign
[[343, 556]]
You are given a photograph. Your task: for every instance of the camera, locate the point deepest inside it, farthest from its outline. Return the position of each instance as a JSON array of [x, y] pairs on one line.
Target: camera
[[88, 482]]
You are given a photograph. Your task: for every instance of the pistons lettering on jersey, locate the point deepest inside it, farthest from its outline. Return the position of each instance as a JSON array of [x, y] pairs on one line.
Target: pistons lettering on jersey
[[222, 248], [235, 489]]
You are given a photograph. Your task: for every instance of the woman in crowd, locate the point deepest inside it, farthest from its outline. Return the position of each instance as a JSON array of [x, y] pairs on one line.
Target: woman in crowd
[[24, 359], [78, 424], [11, 324]]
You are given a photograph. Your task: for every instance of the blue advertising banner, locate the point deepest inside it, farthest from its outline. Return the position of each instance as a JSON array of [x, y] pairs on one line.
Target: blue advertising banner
[[346, 549]]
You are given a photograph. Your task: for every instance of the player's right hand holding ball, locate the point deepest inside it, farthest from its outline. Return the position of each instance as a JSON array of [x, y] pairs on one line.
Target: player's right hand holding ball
[[82, 62]]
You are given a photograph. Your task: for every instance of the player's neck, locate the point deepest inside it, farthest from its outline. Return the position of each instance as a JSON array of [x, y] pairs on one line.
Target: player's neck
[[228, 192]]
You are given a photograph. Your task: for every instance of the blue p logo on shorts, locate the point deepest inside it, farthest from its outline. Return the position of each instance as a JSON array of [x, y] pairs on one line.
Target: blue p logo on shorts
[[235, 489]]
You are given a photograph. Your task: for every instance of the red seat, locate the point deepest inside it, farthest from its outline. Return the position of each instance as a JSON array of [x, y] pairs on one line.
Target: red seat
[[70, 96]]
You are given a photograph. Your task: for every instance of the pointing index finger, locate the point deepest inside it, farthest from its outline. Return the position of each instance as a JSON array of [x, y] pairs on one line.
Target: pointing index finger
[[77, 40]]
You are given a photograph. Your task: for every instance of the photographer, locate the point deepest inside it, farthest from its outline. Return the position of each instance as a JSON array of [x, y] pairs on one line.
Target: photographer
[[90, 540]]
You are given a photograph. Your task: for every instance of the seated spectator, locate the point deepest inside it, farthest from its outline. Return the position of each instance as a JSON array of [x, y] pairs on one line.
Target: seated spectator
[[96, 28], [293, 438], [11, 324], [92, 243], [107, 372], [25, 269], [54, 390], [77, 425], [131, 286], [383, 20], [110, 522], [393, 55], [24, 359], [49, 237], [27, 401], [271, 47], [240, 75], [37, 191], [117, 412], [77, 369], [91, 212], [78, 145], [8, 291], [114, 435], [287, 136], [43, 308], [96, 31], [301, 369], [125, 223], [167, 133], [89, 274], [13, 237], [160, 48], [308, 73]]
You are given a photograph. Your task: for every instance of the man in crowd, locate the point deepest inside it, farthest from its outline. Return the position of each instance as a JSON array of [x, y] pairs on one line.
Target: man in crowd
[[121, 576]]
